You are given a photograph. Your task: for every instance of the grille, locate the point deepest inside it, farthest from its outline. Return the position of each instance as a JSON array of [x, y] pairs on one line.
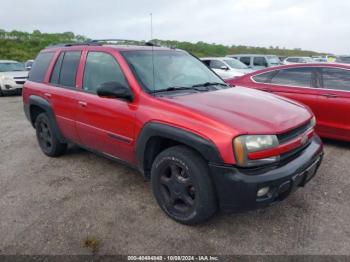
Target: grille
[[20, 82], [285, 137]]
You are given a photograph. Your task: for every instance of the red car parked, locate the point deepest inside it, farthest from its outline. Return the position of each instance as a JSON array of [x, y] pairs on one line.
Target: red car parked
[[202, 144], [325, 88]]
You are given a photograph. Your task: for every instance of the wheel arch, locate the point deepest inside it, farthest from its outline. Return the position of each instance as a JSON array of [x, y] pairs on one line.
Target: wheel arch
[[39, 105], [155, 137]]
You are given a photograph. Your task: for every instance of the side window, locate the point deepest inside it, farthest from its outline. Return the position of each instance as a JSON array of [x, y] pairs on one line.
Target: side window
[[101, 68], [265, 77], [259, 61], [55, 75], [335, 78], [216, 64], [300, 76], [69, 68], [40, 66], [245, 60]]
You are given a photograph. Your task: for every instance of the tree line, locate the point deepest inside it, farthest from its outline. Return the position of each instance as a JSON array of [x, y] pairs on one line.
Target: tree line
[[21, 46]]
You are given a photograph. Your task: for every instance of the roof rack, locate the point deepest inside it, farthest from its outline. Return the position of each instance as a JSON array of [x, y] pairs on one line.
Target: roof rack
[[73, 44], [99, 42], [123, 42]]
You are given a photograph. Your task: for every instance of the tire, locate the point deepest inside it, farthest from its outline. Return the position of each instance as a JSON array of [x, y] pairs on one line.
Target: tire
[[1, 93], [182, 186], [48, 142]]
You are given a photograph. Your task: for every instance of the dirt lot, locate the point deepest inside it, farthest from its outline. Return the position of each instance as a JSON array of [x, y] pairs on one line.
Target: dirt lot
[[50, 206]]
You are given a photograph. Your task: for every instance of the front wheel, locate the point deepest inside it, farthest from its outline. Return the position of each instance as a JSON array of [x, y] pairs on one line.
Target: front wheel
[[49, 143], [182, 186]]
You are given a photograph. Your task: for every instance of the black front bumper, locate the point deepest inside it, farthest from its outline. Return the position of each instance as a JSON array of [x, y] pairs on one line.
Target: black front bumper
[[237, 188]]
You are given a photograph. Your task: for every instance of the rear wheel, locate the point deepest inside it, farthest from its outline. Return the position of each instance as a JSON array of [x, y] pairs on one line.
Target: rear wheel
[[1, 93], [49, 143], [182, 186]]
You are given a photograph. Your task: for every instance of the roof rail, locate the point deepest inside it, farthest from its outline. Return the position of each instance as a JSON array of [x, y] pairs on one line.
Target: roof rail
[[99, 42], [123, 42], [74, 44]]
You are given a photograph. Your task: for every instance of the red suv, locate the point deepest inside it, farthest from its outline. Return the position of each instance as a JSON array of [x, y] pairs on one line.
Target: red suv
[[324, 87], [203, 145]]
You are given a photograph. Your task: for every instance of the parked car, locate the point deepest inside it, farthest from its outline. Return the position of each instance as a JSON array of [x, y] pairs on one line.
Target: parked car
[[202, 144], [325, 88], [226, 67], [28, 64], [12, 77], [298, 60], [343, 59], [257, 62]]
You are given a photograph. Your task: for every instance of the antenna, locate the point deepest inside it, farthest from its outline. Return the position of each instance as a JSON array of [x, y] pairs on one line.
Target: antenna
[[153, 79]]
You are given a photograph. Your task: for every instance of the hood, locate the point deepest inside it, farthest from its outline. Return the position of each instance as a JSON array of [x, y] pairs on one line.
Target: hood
[[245, 71], [15, 74], [246, 111]]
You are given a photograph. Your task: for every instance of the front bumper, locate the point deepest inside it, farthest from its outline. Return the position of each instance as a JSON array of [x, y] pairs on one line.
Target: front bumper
[[237, 187], [11, 87]]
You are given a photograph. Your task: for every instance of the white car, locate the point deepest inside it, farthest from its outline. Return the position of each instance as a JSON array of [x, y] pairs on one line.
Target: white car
[[226, 67], [298, 60], [12, 77]]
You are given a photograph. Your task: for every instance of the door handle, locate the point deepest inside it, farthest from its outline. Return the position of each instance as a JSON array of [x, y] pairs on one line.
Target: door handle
[[82, 103], [266, 90], [48, 95], [329, 95]]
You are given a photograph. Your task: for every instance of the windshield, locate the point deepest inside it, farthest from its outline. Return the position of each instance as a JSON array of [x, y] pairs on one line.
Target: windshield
[[234, 63], [171, 69], [11, 66], [273, 59]]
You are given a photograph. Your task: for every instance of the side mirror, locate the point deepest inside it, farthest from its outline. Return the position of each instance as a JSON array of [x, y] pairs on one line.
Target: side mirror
[[114, 90], [224, 68]]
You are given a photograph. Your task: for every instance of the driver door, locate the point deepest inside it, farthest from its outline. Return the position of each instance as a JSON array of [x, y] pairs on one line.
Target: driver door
[[104, 124]]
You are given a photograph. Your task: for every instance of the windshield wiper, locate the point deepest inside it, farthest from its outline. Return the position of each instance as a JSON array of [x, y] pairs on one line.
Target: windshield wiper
[[176, 88], [210, 84]]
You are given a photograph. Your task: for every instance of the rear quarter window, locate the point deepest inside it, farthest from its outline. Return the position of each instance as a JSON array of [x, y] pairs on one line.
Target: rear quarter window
[[40, 66], [265, 77]]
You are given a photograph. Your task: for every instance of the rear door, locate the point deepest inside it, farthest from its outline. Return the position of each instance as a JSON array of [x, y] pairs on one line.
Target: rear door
[[335, 103], [105, 124], [62, 92], [298, 83]]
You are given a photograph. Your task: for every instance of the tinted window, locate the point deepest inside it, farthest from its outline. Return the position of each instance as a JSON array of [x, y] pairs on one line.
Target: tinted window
[[334, 78], [56, 71], [101, 68], [293, 60], [264, 78], [206, 62], [259, 61], [216, 64], [294, 77], [40, 66], [69, 68], [245, 60]]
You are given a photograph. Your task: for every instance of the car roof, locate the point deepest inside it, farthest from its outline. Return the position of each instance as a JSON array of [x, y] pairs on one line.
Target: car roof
[[8, 61], [274, 68], [218, 58], [251, 55], [116, 47]]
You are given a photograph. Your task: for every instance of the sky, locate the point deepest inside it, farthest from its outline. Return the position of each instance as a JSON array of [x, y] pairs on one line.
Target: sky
[[318, 25]]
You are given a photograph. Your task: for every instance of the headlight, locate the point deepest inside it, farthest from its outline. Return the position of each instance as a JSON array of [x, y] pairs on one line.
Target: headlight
[[5, 78], [243, 145]]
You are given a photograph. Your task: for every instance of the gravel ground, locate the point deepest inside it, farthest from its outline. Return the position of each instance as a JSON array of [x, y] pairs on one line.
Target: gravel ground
[[52, 205]]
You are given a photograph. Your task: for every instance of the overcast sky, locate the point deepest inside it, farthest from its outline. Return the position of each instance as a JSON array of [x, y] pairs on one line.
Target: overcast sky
[[319, 25]]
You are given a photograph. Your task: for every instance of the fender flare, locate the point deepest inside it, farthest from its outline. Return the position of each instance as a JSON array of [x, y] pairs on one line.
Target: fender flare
[[154, 129], [47, 108]]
